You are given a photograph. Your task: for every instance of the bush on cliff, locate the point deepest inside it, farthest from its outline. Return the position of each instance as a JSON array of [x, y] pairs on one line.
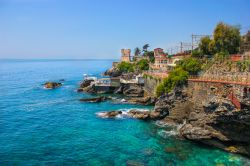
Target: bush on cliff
[[177, 78], [142, 64], [125, 67], [191, 65]]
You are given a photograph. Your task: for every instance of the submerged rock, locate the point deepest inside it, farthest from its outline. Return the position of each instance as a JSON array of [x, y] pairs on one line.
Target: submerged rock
[[134, 163], [52, 85]]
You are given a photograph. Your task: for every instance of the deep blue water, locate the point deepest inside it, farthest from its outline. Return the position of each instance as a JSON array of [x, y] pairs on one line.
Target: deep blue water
[[51, 127]]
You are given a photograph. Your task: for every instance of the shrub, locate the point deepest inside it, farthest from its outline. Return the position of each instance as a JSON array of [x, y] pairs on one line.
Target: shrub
[[125, 67], [196, 53], [191, 65], [177, 78], [143, 64]]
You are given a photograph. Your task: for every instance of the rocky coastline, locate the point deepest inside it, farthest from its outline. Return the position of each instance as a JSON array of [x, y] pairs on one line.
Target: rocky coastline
[[214, 121]]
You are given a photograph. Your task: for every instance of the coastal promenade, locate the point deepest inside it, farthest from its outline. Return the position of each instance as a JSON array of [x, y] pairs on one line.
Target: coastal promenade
[[243, 80]]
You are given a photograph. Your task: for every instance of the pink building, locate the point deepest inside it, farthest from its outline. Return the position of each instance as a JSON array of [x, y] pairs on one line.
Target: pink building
[[161, 59]]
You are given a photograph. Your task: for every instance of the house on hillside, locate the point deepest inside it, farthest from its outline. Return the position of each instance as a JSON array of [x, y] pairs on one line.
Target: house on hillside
[[161, 60]]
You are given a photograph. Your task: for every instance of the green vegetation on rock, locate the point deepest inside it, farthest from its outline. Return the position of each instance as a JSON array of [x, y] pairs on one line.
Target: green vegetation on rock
[[142, 64], [177, 78], [125, 67], [191, 65]]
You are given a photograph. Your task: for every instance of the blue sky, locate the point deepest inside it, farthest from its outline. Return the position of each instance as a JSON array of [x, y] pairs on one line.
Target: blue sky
[[98, 29]]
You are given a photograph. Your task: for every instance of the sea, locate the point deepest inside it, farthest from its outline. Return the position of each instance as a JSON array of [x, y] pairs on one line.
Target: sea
[[52, 127]]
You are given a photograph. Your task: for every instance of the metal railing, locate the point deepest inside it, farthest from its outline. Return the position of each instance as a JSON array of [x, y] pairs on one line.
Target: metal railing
[[227, 79]]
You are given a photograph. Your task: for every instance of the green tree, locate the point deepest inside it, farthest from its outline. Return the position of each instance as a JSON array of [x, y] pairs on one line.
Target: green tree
[[142, 64], [227, 38], [137, 51], [150, 55], [191, 65], [196, 53], [204, 45], [211, 47], [125, 67], [145, 47]]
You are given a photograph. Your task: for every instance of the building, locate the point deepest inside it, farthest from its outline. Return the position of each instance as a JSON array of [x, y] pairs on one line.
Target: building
[[137, 58], [126, 57], [161, 59], [135, 79]]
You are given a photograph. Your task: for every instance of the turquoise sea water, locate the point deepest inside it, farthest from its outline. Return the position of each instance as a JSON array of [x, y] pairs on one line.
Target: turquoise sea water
[[51, 127]]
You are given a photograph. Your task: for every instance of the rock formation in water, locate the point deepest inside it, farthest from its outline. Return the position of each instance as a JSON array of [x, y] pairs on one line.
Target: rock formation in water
[[52, 85], [84, 84], [95, 99]]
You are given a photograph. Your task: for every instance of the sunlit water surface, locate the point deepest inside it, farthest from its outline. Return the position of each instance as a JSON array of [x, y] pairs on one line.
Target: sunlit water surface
[[51, 127]]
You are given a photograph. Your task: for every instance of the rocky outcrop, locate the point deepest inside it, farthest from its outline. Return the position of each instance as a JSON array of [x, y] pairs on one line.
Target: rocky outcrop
[[212, 120], [166, 102], [88, 89], [109, 114], [95, 99], [142, 100], [137, 114], [84, 84], [112, 72], [133, 90], [223, 128], [52, 85]]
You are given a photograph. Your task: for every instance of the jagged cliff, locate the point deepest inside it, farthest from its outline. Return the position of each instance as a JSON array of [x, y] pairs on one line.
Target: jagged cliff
[[209, 116]]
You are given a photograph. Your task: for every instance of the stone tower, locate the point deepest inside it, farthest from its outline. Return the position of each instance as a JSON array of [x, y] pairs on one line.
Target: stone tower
[[126, 55]]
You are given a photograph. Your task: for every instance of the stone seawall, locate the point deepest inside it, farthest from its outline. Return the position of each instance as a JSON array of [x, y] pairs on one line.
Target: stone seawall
[[201, 92], [150, 85]]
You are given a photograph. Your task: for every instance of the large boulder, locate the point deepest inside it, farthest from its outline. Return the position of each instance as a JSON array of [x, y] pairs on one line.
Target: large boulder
[[142, 100], [133, 90], [85, 85], [52, 85], [143, 115], [112, 72]]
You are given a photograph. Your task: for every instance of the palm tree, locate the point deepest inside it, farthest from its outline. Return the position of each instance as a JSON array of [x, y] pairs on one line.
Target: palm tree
[[145, 47], [137, 51]]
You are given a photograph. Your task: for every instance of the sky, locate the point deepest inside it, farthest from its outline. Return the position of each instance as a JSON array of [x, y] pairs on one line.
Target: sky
[[98, 29]]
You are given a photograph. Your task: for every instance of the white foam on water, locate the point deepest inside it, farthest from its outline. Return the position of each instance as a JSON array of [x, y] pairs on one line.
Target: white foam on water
[[123, 115], [173, 130], [101, 114], [168, 133]]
